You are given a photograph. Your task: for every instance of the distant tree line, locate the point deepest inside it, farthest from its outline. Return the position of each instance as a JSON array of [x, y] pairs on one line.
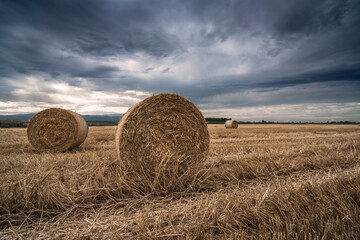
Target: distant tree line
[[298, 122], [216, 120], [102, 123], [223, 120], [6, 123], [13, 123]]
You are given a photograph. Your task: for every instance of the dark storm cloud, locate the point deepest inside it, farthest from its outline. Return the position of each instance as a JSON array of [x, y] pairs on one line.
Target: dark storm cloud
[[283, 19], [101, 28], [190, 47], [346, 73], [35, 33], [322, 35]]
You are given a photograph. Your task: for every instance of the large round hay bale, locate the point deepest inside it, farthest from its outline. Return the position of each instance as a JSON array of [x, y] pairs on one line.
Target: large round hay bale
[[231, 124], [56, 129], [163, 133]]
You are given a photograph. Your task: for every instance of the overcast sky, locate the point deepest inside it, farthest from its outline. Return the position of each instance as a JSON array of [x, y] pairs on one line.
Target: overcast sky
[[281, 60]]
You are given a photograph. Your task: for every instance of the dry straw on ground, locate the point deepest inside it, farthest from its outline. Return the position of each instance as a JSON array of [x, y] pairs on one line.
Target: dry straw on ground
[[273, 181], [161, 138], [56, 129], [231, 124]]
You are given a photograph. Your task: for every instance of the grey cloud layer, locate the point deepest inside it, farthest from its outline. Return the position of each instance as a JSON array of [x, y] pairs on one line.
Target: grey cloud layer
[[278, 45]]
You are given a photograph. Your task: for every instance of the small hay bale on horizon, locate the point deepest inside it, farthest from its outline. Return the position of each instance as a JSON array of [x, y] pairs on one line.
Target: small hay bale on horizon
[[57, 130], [164, 134], [231, 124]]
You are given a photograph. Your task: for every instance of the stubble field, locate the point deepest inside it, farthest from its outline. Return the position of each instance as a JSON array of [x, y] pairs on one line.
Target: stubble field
[[259, 182]]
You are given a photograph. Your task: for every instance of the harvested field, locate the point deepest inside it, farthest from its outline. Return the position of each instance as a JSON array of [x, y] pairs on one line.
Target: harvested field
[[259, 182]]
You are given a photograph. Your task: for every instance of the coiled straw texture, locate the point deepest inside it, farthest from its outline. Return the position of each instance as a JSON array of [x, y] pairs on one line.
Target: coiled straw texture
[[162, 137], [231, 124], [57, 130]]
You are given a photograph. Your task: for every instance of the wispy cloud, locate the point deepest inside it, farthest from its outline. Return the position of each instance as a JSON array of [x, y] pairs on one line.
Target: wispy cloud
[[35, 93]]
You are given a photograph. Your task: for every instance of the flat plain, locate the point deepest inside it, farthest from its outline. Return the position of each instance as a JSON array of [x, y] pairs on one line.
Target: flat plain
[[280, 181]]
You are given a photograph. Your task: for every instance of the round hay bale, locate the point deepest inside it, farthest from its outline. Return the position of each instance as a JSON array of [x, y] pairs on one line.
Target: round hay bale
[[163, 133], [56, 129], [231, 124]]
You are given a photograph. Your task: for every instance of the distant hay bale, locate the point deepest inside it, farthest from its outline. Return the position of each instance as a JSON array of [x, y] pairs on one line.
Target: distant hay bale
[[56, 129], [163, 133], [231, 124]]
